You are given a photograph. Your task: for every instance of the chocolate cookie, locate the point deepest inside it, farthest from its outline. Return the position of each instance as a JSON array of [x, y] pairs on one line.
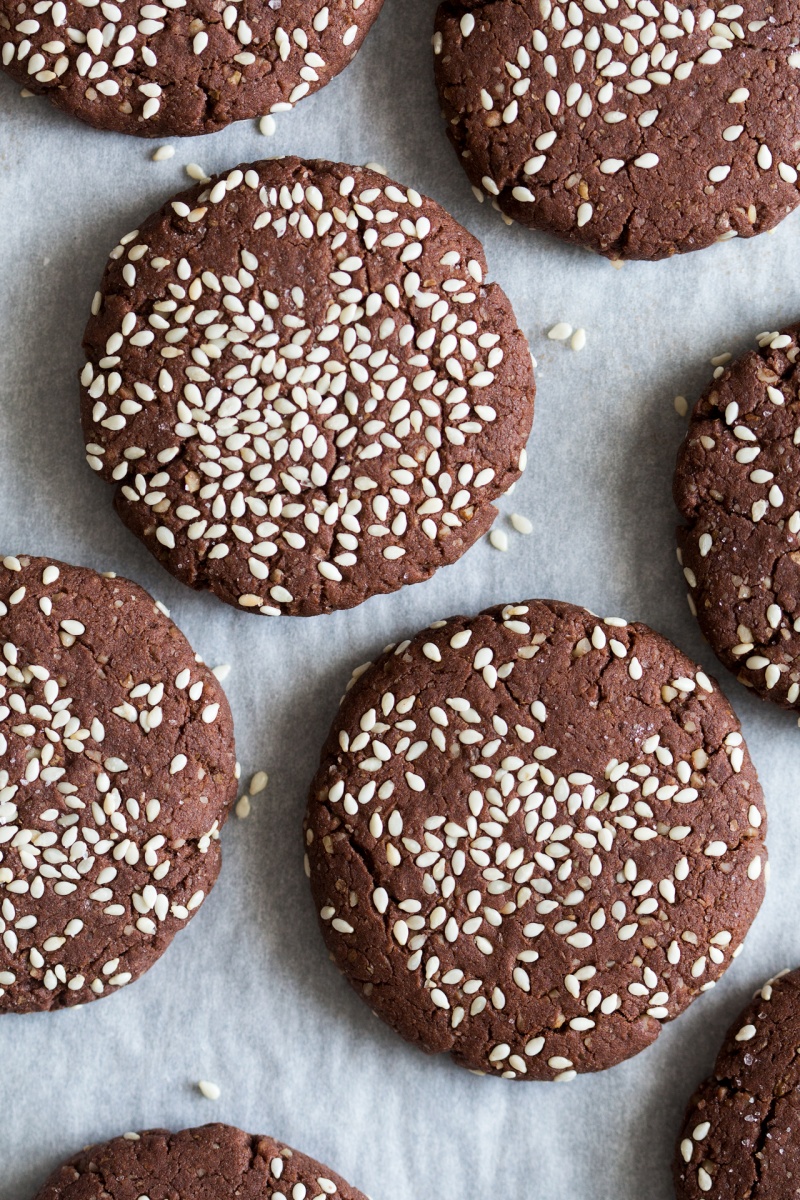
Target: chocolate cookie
[[739, 1138], [534, 835], [172, 69], [117, 770], [638, 130], [302, 388], [208, 1163], [737, 483]]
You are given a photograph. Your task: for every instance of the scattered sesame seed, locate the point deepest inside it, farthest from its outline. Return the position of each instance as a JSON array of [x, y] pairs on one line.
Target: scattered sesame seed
[[221, 672], [163, 153], [560, 332], [578, 340], [258, 782], [499, 539], [681, 406], [243, 807], [196, 172], [520, 523], [210, 1090], [267, 125]]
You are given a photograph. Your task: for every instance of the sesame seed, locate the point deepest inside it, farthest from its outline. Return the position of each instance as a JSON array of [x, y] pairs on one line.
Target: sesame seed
[[210, 1090], [259, 782], [521, 524]]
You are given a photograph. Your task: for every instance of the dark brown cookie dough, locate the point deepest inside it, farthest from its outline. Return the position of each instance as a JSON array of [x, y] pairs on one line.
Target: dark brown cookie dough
[[117, 770], [739, 1139], [208, 1163], [178, 67], [639, 130], [534, 835], [302, 388], [737, 483]]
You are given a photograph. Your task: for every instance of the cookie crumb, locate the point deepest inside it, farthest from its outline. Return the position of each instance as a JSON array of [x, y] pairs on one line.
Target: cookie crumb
[[560, 332], [163, 153], [267, 126], [520, 523], [211, 1091], [681, 405]]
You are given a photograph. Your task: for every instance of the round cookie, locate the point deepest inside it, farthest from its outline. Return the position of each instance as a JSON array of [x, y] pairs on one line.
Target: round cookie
[[739, 1138], [195, 1164], [534, 835], [177, 69], [737, 483], [302, 388], [117, 770], [639, 130]]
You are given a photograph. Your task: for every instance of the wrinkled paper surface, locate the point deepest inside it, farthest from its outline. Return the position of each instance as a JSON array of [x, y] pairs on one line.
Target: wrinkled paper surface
[[246, 997]]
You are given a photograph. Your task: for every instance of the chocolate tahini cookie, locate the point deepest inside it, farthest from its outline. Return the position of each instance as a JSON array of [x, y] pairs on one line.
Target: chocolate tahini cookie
[[117, 770], [740, 1138], [534, 836], [737, 483], [634, 128], [302, 387], [195, 1164], [178, 67]]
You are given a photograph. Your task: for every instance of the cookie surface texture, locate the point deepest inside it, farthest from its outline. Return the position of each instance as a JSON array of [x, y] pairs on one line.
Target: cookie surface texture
[[116, 773], [736, 483], [739, 1137], [180, 67], [637, 129], [534, 835], [206, 1163], [302, 388]]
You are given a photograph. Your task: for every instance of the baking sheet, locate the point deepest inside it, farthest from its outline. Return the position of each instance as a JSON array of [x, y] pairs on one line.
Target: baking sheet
[[246, 996]]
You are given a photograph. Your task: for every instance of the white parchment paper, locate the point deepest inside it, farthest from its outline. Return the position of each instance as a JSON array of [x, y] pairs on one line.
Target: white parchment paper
[[246, 997]]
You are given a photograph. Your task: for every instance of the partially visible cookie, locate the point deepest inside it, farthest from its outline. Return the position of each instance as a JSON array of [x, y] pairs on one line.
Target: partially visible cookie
[[740, 1134], [737, 483], [117, 771], [208, 1163], [175, 69], [639, 130], [302, 388], [534, 836]]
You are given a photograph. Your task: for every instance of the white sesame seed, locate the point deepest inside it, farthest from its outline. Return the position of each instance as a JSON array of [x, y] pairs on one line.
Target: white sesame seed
[[521, 524], [560, 332]]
